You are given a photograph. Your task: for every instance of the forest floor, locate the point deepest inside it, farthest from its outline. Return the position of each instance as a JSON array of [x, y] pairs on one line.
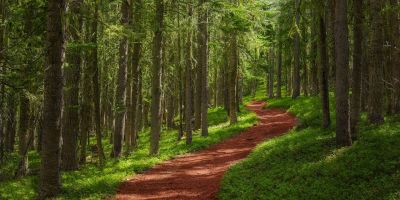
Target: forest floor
[[198, 175], [307, 164]]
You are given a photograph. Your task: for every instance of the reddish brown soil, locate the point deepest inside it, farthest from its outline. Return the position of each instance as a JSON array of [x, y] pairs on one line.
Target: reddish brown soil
[[198, 175]]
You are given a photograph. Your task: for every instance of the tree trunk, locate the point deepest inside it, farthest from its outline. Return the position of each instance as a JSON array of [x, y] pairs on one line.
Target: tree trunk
[[49, 183], [121, 84], [324, 71], [271, 74], [11, 124], [355, 108], [395, 54], [23, 132], [3, 7], [376, 89], [233, 68], [72, 72], [279, 72], [96, 89], [296, 70], [203, 63], [86, 111], [342, 74], [314, 53], [188, 81], [156, 78]]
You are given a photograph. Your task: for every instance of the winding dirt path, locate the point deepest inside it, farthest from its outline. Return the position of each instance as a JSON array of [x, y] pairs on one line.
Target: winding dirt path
[[198, 175]]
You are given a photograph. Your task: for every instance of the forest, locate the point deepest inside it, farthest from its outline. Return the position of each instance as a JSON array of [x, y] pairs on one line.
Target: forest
[[199, 99]]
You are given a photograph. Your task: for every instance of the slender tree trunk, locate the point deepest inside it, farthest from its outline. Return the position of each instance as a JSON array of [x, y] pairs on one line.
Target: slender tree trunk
[[156, 79], [129, 126], [376, 89], [3, 7], [72, 72], [233, 68], [342, 74], [271, 74], [395, 53], [96, 90], [331, 41], [203, 63], [23, 132], [314, 53], [121, 84], [11, 123], [296, 70], [49, 183], [188, 81], [355, 108], [86, 112], [324, 71], [279, 72], [181, 77]]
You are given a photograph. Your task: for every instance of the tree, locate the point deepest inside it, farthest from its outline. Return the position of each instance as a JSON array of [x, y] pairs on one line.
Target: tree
[[156, 80], [50, 184], [324, 69], [188, 78], [203, 63], [279, 72], [71, 92], [232, 77], [121, 84], [96, 86], [376, 73], [296, 70], [355, 108], [394, 24], [342, 74]]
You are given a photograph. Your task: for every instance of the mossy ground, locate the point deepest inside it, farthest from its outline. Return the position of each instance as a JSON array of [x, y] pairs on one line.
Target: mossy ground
[[306, 164]]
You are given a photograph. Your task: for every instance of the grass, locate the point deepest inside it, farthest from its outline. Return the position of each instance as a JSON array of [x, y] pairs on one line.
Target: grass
[[305, 163], [92, 182]]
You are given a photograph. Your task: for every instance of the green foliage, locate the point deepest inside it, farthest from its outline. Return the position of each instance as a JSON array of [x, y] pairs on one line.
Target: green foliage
[[91, 182], [305, 164]]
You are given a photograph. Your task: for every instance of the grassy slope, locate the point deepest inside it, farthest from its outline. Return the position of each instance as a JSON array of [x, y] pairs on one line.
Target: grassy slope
[[93, 183], [305, 164]]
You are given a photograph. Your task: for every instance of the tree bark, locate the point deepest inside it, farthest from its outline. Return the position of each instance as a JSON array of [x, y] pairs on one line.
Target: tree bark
[[342, 74], [188, 81], [11, 124], [279, 72], [121, 84], [355, 108], [296, 70], [49, 183], [271, 74], [23, 132], [96, 88], [395, 54], [156, 78], [233, 68], [314, 53], [376, 89], [86, 112], [203, 63], [324, 71], [72, 72]]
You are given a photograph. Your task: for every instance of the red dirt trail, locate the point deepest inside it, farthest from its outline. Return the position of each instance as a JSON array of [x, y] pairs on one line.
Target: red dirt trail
[[198, 175]]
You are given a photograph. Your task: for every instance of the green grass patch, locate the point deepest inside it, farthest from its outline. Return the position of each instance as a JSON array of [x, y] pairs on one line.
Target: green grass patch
[[92, 182], [305, 163]]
